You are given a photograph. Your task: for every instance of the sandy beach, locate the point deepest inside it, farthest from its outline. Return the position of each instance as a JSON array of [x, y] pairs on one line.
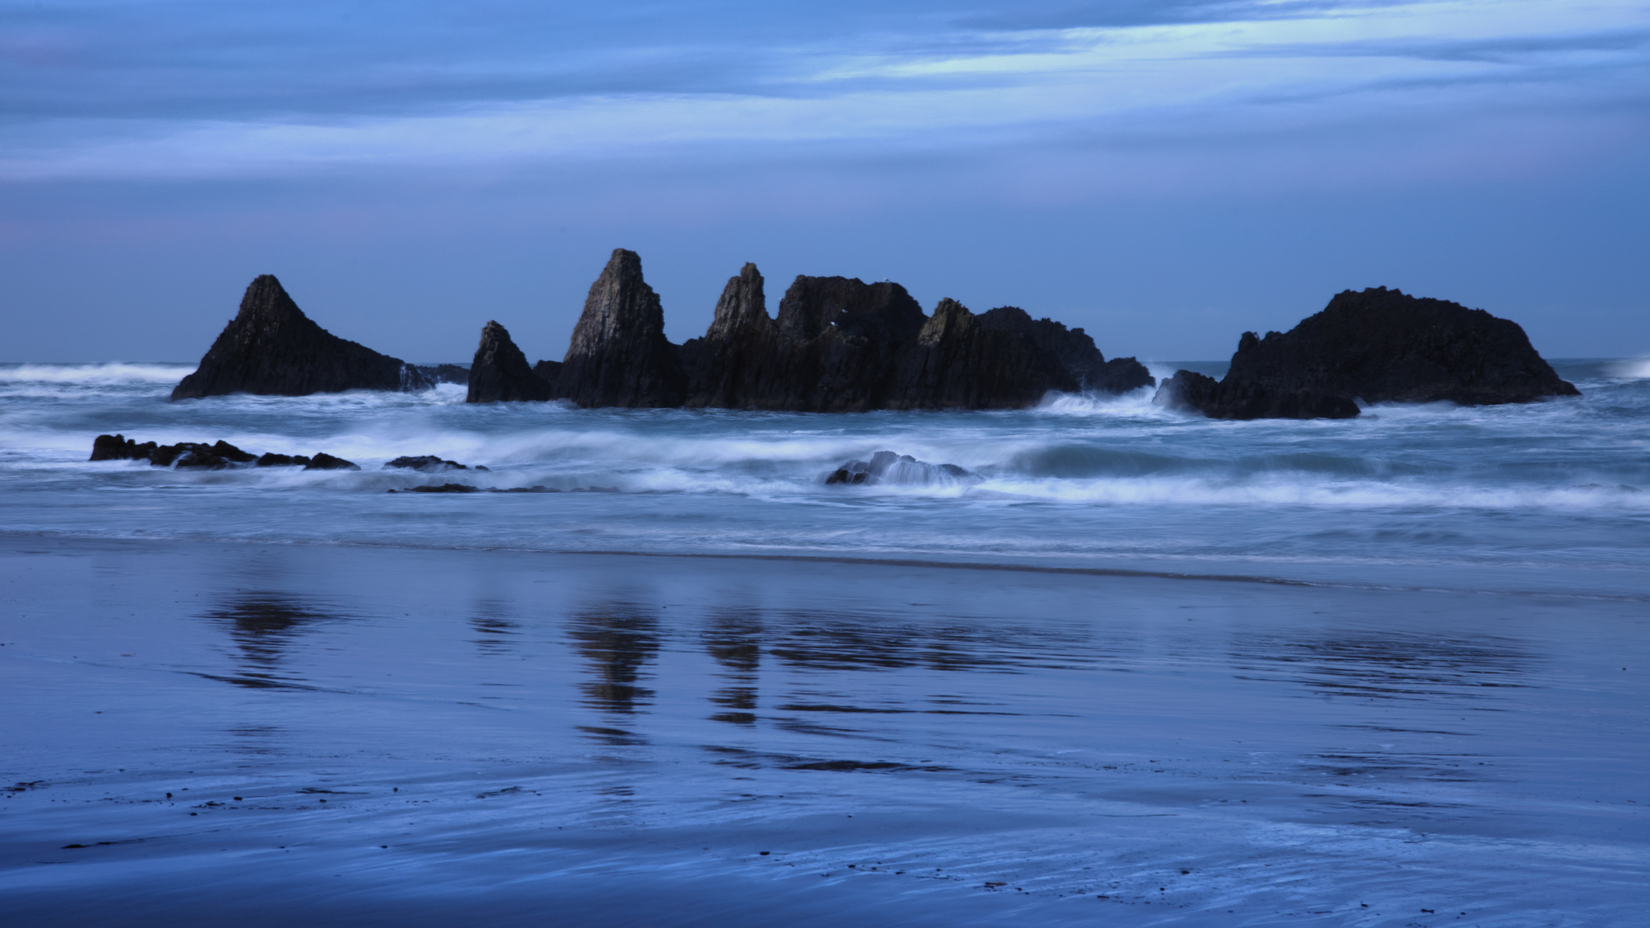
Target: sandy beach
[[257, 733]]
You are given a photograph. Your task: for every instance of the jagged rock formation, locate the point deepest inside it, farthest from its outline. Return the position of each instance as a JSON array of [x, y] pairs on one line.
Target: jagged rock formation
[[500, 372], [837, 345], [272, 348], [840, 344], [1376, 346], [619, 355], [190, 454]]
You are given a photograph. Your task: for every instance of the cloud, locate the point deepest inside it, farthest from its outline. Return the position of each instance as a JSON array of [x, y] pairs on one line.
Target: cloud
[[180, 90]]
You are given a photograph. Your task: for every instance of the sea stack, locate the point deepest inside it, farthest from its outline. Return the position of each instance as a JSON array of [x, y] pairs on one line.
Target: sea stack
[[728, 366], [500, 372], [272, 348], [619, 355], [1377, 346]]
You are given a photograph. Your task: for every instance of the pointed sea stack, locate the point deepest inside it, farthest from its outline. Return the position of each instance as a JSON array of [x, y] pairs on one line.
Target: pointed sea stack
[[619, 355], [726, 367], [1378, 346], [271, 348], [500, 372]]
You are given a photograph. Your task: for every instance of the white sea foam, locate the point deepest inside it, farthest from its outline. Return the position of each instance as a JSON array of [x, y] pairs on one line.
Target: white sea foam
[[1636, 369], [112, 373]]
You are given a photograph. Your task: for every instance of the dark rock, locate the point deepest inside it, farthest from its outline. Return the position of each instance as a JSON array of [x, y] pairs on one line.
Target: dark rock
[[444, 373], [1378, 346], [619, 355], [282, 460], [536, 488], [324, 461], [444, 488], [120, 448], [229, 452], [549, 372], [428, 463], [500, 372], [272, 348], [840, 344], [900, 469]]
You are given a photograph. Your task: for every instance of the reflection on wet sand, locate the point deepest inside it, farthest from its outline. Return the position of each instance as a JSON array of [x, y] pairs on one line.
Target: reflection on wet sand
[[1402, 666], [496, 633], [263, 626], [735, 641], [618, 641]]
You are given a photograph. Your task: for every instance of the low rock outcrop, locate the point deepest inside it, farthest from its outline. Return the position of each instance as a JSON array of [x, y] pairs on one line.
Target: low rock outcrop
[[500, 372], [272, 348], [901, 470], [1377, 346], [217, 456], [427, 463]]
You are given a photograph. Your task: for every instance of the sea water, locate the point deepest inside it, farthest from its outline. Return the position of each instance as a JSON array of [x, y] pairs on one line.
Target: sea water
[[1130, 667], [1552, 495]]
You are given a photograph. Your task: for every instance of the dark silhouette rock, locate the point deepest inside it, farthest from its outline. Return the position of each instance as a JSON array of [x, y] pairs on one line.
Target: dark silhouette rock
[[730, 367], [1378, 346], [427, 463], [444, 488], [324, 461], [272, 348], [500, 372], [619, 355], [549, 372], [120, 448], [445, 373], [840, 344], [899, 469], [190, 454], [1002, 359]]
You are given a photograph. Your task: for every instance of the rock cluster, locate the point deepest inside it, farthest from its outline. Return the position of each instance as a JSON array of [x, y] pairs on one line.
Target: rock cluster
[[836, 345], [427, 463], [189, 454], [272, 348], [1376, 346]]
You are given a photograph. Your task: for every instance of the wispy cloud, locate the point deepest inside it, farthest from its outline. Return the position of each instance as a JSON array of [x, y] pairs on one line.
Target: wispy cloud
[[193, 89]]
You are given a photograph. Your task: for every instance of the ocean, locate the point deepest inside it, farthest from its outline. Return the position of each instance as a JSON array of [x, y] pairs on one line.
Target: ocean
[[1117, 665]]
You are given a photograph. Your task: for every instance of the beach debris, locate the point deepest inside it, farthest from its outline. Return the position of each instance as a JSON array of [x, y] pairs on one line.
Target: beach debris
[[899, 469]]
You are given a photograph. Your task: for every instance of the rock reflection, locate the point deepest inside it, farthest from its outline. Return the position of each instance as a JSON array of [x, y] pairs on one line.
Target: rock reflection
[[263, 626], [735, 641], [497, 634], [618, 642], [868, 642], [1391, 666]]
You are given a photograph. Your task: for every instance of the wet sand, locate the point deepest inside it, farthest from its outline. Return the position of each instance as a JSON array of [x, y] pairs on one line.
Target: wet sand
[[420, 737]]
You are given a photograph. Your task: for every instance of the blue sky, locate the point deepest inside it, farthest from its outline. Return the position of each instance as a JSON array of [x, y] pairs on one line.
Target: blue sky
[[1165, 174]]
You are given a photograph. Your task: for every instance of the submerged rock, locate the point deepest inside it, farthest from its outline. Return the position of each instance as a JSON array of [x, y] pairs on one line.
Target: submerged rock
[[324, 461], [900, 470], [619, 355], [500, 372], [272, 348], [282, 460], [120, 448], [1376, 346], [427, 463], [444, 488]]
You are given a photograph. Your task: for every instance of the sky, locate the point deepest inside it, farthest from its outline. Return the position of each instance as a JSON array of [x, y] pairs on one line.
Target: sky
[[1165, 174]]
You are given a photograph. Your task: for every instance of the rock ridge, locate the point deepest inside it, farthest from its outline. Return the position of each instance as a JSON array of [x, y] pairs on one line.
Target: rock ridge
[[1373, 346]]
